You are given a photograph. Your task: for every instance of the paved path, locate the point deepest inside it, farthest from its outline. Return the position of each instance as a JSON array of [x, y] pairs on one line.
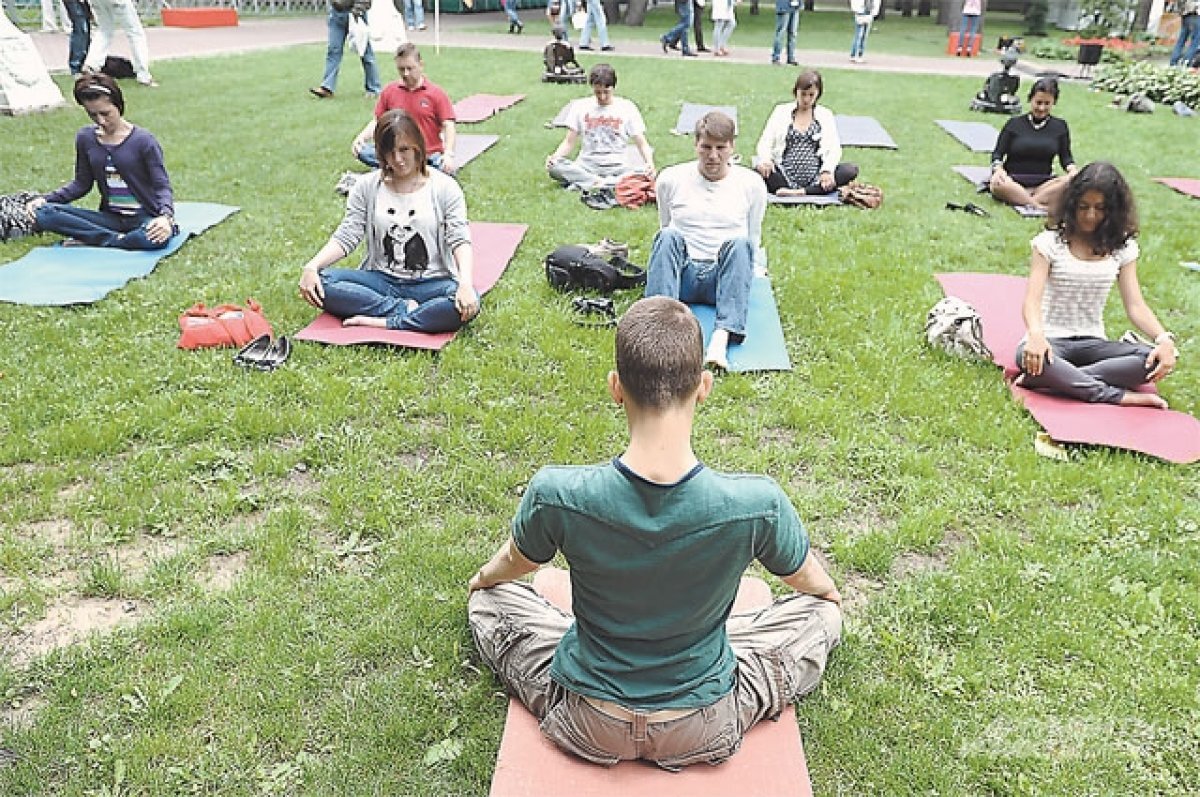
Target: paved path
[[259, 34]]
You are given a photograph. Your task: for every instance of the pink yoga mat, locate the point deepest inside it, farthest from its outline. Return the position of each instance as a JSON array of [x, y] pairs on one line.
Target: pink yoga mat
[[494, 246], [1166, 434], [1184, 185], [478, 107], [770, 762]]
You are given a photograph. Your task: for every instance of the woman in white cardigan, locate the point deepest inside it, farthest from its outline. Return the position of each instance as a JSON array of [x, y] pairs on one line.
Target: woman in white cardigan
[[799, 150]]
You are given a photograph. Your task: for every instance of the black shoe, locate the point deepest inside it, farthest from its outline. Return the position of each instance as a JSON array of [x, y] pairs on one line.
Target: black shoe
[[253, 352], [280, 350], [701, 48], [675, 44], [520, 27], [975, 210], [663, 42], [584, 47], [320, 92], [793, 63], [608, 48], [512, 27], [690, 54]]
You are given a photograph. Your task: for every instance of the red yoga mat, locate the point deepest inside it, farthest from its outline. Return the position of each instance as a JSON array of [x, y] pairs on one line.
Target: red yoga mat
[[1167, 434], [479, 107], [494, 246], [1184, 185], [770, 761]]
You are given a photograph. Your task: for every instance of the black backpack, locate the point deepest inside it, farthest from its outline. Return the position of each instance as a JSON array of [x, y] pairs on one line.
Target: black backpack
[[575, 267]]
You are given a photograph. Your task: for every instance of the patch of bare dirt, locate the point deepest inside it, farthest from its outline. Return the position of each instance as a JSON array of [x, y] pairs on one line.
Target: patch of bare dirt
[[68, 622], [55, 532], [778, 435], [19, 713], [300, 479], [914, 563], [857, 592], [222, 570], [136, 558]]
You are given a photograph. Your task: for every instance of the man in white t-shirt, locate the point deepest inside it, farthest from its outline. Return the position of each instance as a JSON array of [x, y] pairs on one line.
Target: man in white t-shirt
[[710, 212], [604, 124]]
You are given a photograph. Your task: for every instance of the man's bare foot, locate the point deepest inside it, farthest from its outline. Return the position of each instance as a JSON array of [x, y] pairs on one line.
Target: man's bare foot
[[1134, 399], [365, 321]]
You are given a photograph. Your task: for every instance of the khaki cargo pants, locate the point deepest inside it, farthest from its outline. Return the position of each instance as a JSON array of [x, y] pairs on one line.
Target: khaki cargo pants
[[781, 652]]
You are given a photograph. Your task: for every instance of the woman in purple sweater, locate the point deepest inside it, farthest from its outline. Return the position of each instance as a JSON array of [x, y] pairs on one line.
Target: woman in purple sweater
[[126, 163]]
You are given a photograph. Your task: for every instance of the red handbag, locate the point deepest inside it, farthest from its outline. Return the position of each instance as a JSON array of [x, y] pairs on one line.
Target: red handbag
[[224, 325]]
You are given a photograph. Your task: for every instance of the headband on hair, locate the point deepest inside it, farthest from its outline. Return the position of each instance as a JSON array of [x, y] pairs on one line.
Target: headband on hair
[[96, 87]]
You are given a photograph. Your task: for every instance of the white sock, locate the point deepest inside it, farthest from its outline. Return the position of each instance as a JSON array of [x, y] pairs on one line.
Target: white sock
[[716, 353]]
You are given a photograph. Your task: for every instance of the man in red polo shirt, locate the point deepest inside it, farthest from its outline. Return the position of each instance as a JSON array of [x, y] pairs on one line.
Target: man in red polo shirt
[[425, 102]]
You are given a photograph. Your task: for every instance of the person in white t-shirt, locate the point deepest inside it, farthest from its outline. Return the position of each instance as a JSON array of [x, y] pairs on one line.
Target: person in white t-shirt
[[1071, 272], [710, 213], [603, 125], [724, 21]]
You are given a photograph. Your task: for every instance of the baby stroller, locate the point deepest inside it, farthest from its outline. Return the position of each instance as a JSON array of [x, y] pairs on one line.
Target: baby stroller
[[999, 94], [560, 63]]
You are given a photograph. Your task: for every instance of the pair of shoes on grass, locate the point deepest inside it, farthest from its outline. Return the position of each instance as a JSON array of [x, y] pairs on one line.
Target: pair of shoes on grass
[[263, 353], [970, 207]]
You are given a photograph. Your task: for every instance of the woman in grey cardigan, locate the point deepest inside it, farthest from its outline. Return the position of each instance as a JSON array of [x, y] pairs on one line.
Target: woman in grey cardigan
[[417, 273]]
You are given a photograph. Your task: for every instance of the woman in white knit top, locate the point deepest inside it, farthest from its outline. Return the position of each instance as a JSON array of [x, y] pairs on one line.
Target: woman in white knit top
[[1071, 272], [799, 149]]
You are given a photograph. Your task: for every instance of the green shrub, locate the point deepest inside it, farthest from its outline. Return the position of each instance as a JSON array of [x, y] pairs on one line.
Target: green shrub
[[1160, 83]]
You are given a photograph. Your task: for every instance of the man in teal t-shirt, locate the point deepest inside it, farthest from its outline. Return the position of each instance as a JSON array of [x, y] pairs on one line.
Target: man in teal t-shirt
[[653, 666]]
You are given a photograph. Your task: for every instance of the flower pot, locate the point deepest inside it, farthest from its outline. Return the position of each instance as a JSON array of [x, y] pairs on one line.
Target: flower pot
[[1089, 54]]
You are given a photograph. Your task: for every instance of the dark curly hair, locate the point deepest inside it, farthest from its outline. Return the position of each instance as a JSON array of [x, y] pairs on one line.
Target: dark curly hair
[[1120, 215]]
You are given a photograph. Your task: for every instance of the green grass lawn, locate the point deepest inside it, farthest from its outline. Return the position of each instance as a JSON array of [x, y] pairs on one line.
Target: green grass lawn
[[289, 551]]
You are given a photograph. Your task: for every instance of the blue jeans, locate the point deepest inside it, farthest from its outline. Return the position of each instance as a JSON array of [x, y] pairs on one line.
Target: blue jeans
[[350, 292], [790, 22], [97, 228], [1189, 30], [679, 33], [510, 9], [81, 34], [597, 20], [339, 26], [724, 282], [414, 13], [368, 157], [966, 32], [860, 39]]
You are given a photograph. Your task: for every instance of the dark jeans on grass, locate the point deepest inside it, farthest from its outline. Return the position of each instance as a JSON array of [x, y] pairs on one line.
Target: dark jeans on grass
[[1089, 369], [97, 228]]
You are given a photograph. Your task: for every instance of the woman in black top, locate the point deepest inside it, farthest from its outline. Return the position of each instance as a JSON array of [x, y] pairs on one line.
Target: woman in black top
[[1022, 161]]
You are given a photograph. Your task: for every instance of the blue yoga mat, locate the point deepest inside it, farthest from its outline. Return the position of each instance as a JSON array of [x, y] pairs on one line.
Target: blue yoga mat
[[764, 348], [62, 275]]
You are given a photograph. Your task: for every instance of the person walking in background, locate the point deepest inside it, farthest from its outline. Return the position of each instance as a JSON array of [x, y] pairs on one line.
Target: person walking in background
[[865, 12], [595, 19], [698, 25], [414, 14], [972, 13], [54, 16], [677, 36], [1189, 30], [81, 34], [787, 20], [338, 23], [109, 15], [510, 10], [724, 21]]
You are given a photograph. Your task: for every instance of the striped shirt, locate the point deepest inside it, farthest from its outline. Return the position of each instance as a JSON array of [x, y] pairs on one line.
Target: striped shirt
[[1077, 290], [120, 196]]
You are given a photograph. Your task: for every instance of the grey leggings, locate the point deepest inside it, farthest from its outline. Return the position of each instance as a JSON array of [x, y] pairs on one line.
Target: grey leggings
[[1089, 369]]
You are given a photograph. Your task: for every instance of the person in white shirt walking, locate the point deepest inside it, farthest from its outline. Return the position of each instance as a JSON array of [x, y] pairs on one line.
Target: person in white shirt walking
[[724, 21], [865, 12]]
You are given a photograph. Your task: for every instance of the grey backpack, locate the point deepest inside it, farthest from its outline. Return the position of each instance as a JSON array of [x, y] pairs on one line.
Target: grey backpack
[[954, 327]]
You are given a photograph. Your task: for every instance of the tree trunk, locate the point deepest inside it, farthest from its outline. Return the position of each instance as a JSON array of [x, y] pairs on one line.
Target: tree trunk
[[1142, 18], [906, 8], [923, 8], [635, 13]]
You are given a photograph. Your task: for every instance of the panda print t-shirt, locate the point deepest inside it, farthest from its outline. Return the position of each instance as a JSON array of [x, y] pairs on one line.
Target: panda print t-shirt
[[409, 237]]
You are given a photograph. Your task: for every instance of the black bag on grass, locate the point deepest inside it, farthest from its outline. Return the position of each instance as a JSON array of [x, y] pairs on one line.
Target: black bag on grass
[[575, 267]]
